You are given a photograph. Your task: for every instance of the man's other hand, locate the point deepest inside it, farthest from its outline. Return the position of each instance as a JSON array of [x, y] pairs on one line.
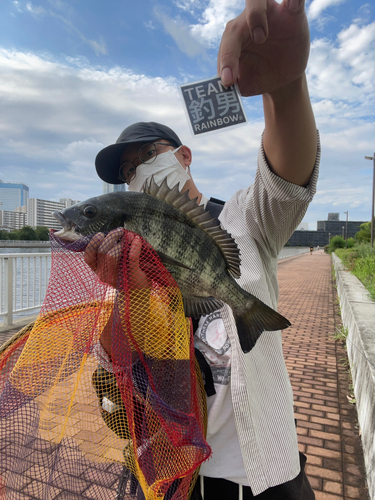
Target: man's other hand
[[103, 256], [266, 47]]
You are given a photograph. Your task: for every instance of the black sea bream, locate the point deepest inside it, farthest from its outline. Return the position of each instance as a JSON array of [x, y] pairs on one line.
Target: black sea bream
[[203, 259]]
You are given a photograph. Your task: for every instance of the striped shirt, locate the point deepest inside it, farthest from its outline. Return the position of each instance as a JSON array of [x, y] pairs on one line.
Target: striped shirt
[[250, 419]]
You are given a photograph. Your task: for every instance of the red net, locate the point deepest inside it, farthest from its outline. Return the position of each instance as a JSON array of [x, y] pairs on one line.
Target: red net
[[76, 424]]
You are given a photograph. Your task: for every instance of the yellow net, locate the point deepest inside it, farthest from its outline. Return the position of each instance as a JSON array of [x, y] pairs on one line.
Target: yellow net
[[77, 423]]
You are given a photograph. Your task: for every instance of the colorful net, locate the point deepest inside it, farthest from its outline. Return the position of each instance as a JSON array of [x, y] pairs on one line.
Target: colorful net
[[71, 427]]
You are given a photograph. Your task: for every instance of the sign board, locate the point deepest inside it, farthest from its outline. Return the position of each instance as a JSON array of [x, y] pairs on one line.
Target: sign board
[[211, 107]]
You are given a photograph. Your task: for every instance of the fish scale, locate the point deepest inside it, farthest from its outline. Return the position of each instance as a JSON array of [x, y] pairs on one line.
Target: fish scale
[[202, 257]]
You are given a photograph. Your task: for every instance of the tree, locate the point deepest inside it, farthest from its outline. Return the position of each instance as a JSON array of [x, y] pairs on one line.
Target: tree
[[42, 233], [27, 233], [4, 235], [364, 233], [14, 235]]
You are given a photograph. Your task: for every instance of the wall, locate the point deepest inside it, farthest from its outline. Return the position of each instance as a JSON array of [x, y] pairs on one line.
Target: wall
[[358, 313]]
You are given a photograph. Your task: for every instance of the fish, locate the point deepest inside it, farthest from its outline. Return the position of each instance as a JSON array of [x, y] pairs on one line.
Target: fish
[[203, 258]]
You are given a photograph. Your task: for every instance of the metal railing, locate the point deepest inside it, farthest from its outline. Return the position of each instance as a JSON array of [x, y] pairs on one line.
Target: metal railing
[[23, 283], [24, 243], [292, 252], [24, 279]]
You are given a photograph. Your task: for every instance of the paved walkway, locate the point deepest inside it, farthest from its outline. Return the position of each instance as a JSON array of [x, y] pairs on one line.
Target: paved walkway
[[326, 421], [327, 429]]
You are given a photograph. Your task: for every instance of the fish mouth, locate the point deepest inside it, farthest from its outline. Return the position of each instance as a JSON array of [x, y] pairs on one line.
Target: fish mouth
[[68, 231]]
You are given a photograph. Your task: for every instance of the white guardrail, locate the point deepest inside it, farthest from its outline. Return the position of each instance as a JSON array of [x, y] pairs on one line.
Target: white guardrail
[[23, 283], [24, 279]]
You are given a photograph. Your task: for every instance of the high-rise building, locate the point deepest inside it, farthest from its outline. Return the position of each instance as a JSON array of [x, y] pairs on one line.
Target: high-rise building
[[39, 213], [68, 202], [12, 195], [12, 220], [113, 188]]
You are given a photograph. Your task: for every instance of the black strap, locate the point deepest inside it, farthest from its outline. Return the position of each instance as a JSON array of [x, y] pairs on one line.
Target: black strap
[[206, 370], [215, 207]]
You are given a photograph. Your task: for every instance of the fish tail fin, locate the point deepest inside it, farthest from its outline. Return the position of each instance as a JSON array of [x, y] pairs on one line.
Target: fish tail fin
[[254, 321]]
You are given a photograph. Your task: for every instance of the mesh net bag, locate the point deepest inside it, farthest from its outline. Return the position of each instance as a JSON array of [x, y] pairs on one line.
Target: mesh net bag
[[75, 426]]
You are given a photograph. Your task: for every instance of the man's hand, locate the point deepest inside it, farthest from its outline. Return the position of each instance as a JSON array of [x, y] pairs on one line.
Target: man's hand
[[103, 255], [266, 47]]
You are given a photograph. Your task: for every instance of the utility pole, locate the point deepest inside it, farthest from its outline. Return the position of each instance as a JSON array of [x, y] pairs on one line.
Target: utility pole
[[346, 235], [373, 194]]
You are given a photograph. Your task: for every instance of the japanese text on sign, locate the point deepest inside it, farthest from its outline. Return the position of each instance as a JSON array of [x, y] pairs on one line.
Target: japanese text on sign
[[210, 106]]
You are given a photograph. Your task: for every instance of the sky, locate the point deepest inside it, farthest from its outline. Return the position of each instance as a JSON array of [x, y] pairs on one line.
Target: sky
[[75, 73]]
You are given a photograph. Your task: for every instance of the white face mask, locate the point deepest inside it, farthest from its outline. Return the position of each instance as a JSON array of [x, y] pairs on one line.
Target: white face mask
[[167, 166]]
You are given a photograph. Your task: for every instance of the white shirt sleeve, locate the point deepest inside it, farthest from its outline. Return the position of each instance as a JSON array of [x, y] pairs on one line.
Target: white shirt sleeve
[[273, 207]]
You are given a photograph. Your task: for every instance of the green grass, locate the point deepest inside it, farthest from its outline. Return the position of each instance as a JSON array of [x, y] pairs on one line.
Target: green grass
[[341, 333], [360, 260]]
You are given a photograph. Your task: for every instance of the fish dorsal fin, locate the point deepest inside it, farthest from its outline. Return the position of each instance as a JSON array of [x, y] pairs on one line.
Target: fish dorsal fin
[[200, 216]]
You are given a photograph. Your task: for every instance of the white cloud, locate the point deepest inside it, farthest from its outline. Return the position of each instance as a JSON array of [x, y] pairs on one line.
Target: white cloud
[[34, 10], [210, 27], [149, 25], [349, 197], [364, 14], [342, 71], [58, 6], [180, 32], [17, 6], [211, 15], [190, 6], [316, 7], [57, 115]]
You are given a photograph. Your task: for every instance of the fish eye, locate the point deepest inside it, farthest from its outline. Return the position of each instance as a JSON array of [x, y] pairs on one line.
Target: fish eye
[[90, 212]]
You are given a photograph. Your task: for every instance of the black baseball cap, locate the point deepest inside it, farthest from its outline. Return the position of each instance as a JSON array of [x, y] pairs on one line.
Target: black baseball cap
[[107, 161]]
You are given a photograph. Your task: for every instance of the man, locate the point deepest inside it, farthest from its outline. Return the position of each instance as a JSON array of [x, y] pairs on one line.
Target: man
[[250, 418]]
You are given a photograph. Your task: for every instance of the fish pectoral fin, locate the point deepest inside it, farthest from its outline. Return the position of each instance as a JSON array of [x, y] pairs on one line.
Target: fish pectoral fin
[[166, 259], [255, 321], [195, 307]]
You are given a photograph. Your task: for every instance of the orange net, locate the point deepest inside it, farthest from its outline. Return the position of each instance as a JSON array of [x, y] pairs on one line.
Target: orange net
[[74, 424]]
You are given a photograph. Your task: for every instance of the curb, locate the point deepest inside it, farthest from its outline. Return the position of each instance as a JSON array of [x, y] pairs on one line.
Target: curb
[[358, 313], [18, 323]]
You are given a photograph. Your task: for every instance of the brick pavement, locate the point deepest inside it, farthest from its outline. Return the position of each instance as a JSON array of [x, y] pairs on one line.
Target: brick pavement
[[326, 421], [327, 428]]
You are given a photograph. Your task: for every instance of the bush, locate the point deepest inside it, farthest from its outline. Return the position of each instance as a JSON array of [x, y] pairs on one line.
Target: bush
[[360, 260], [326, 248], [351, 242], [336, 242]]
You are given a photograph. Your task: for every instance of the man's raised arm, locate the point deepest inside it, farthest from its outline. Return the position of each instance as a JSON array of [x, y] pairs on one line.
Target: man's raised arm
[[265, 49]]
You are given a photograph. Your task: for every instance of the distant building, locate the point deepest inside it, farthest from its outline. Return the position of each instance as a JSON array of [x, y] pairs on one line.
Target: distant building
[[334, 216], [39, 213], [12, 195], [304, 226], [326, 229], [12, 220], [113, 188], [338, 227], [68, 202]]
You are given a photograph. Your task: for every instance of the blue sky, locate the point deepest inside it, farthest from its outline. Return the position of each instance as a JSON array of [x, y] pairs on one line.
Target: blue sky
[[75, 73]]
